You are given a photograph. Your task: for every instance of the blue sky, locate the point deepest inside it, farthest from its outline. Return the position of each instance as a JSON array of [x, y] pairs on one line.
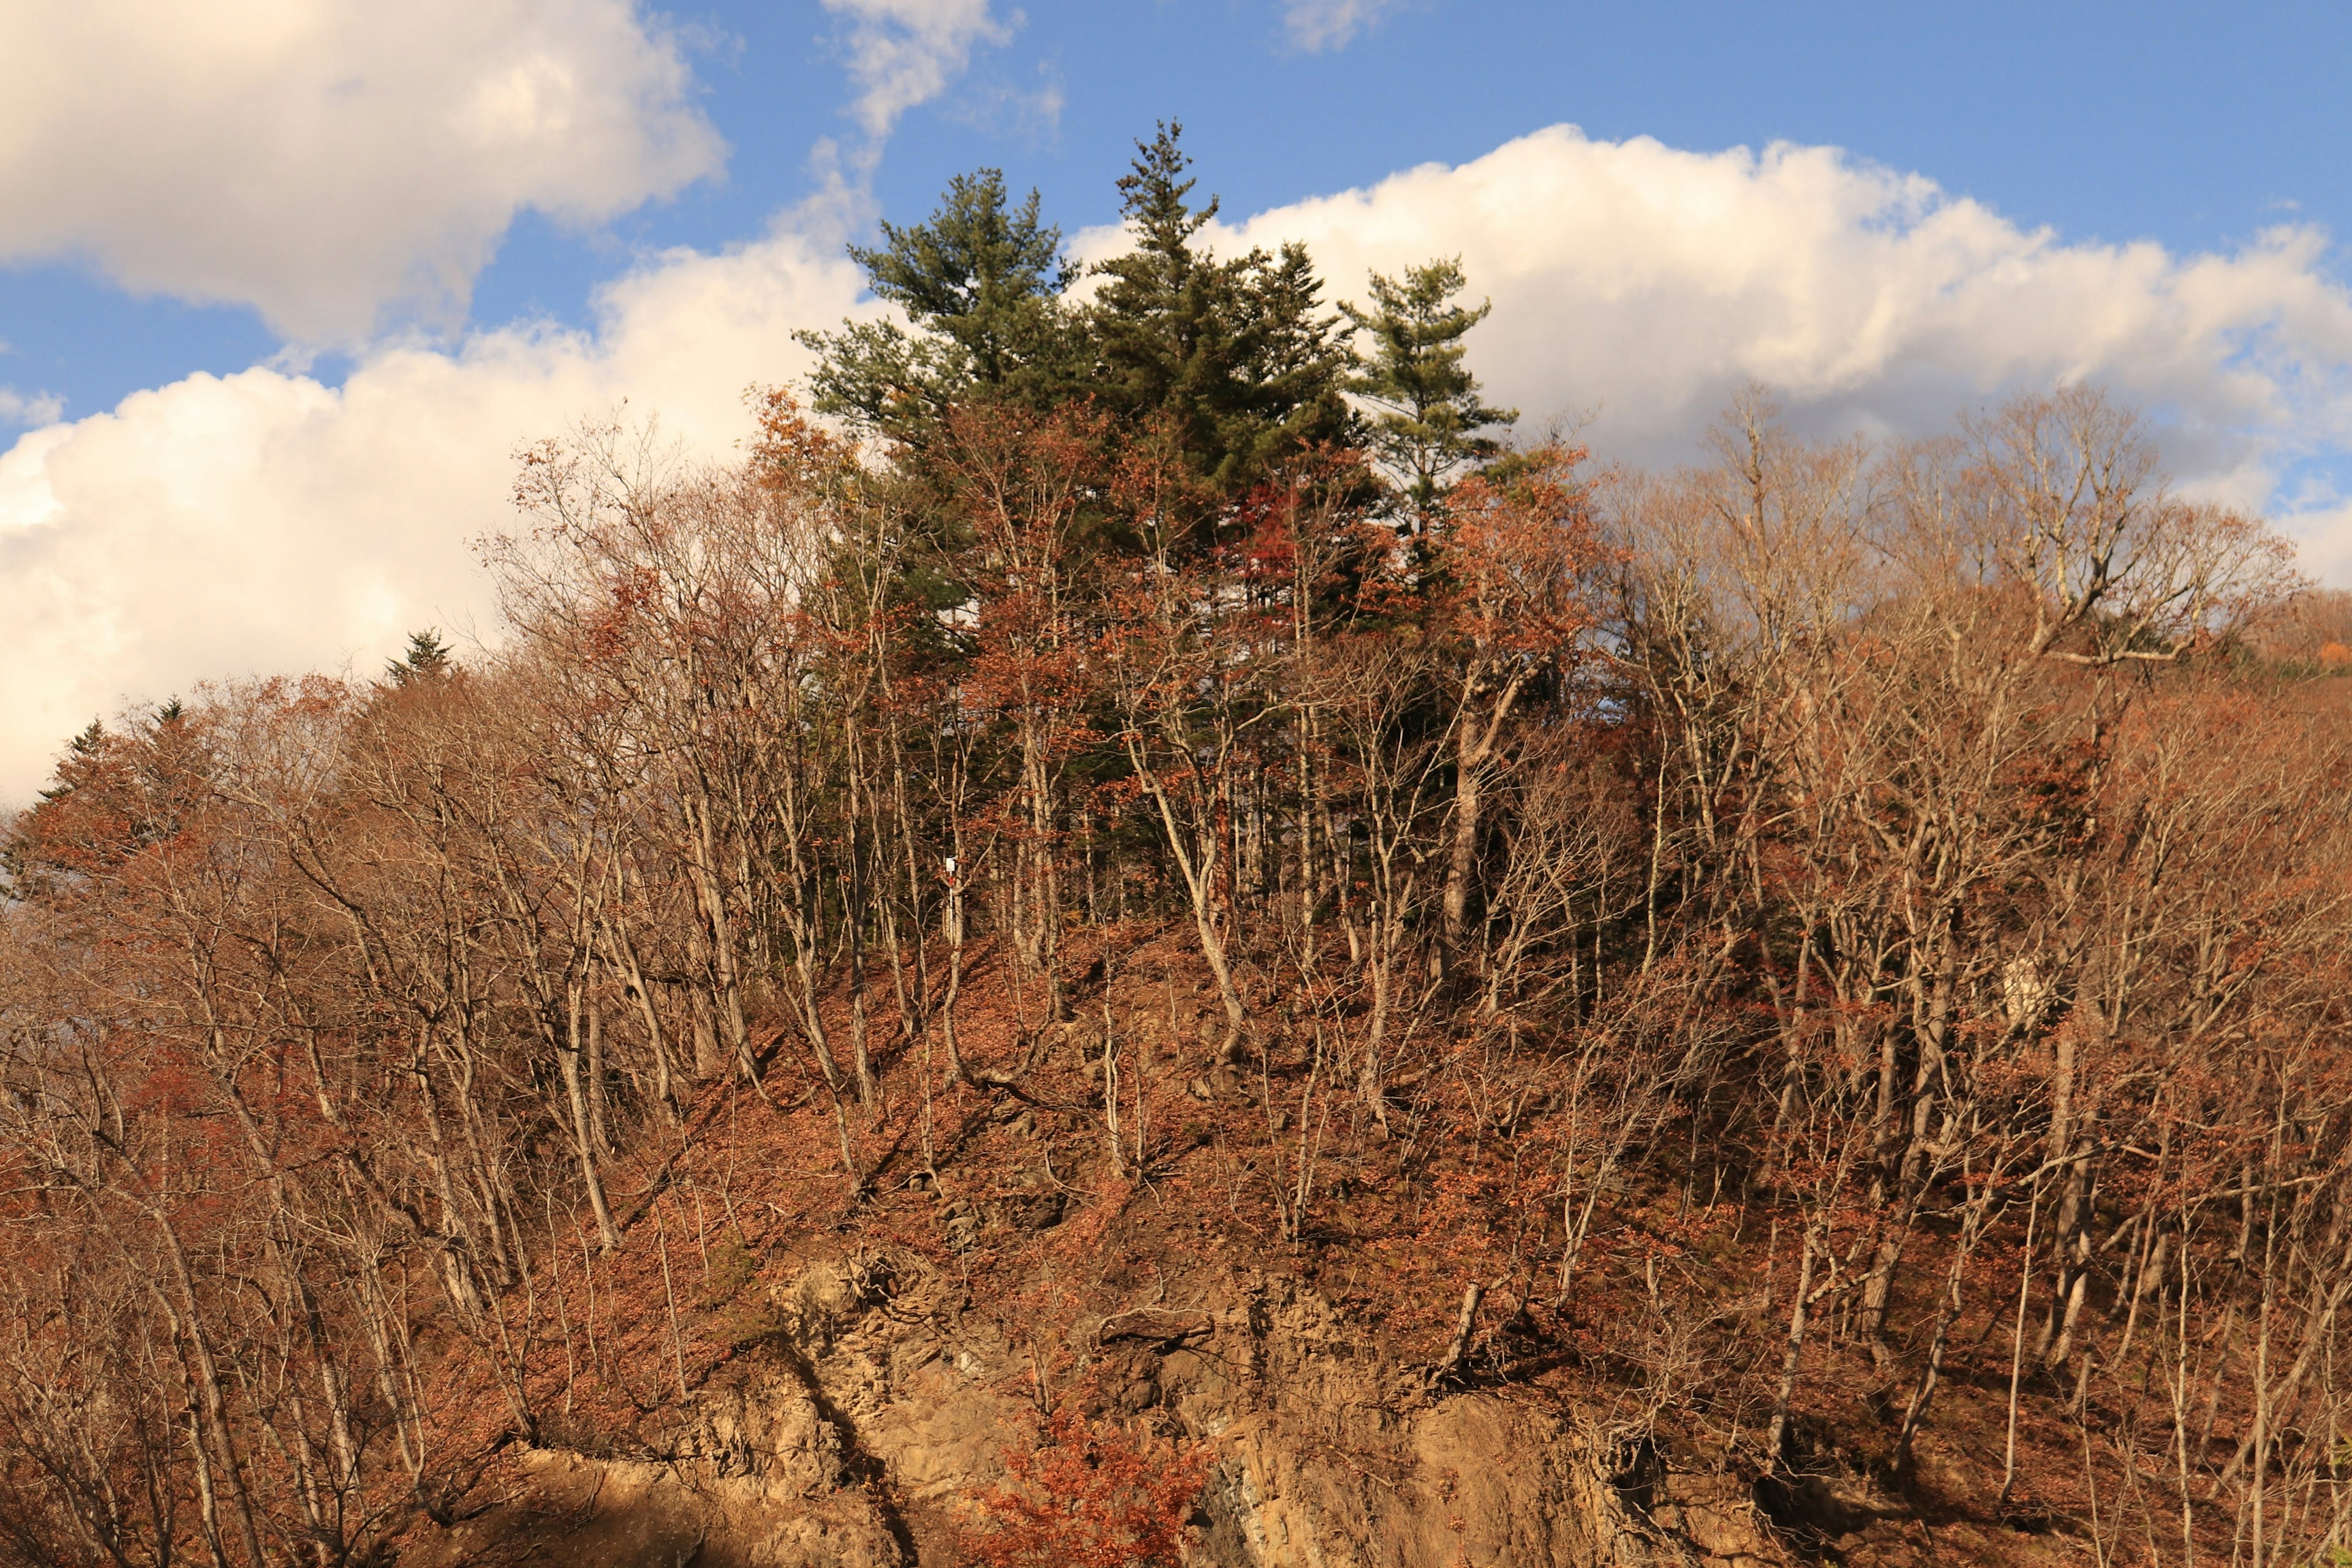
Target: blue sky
[[2195, 125], [283, 283]]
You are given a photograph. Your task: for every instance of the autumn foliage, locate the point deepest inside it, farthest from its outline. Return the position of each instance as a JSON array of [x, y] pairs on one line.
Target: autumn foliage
[[1089, 1498], [1832, 957]]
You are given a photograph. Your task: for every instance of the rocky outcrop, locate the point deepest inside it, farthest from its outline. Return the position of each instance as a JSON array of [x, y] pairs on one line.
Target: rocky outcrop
[[854, 1431]]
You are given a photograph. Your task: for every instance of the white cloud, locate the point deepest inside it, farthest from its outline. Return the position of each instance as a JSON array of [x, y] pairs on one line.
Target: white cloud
[[905, 53], [325, 161], [1319, 25], [262, 522], [1645, 285], [30, 407]]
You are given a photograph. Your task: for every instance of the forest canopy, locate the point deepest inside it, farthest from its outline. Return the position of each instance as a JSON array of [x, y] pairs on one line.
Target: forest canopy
[[1798, 939]]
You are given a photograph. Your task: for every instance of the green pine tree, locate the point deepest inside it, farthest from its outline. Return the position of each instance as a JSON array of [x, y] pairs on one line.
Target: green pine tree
[[1234, 360], [1159, 316], [427, 660], [982, 285], [1427, 413]]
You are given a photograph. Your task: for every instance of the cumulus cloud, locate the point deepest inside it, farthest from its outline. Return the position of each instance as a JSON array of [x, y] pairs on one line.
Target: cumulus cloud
[[1319, 25], [327, 162], [263, 521], [905, 53], [1643, 286]]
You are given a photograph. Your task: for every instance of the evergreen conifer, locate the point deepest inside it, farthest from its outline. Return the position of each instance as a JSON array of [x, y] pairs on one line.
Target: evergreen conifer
[[981, 284], [428, 658], [1233, 360], [1427, 411]]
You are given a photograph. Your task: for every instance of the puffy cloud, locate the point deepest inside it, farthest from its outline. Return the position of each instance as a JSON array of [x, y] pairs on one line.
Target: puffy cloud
[[1319, 25], [264, 522], [1644, 284], [905, 53], [328, 161], [1637, 287]]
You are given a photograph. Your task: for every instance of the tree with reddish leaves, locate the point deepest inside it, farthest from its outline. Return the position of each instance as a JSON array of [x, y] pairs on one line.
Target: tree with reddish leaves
[[1508, 577], [1832, 957], [1090, 1496]]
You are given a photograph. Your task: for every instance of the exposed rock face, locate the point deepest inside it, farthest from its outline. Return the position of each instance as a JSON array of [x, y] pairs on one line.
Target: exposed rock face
[[852, 1435]]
